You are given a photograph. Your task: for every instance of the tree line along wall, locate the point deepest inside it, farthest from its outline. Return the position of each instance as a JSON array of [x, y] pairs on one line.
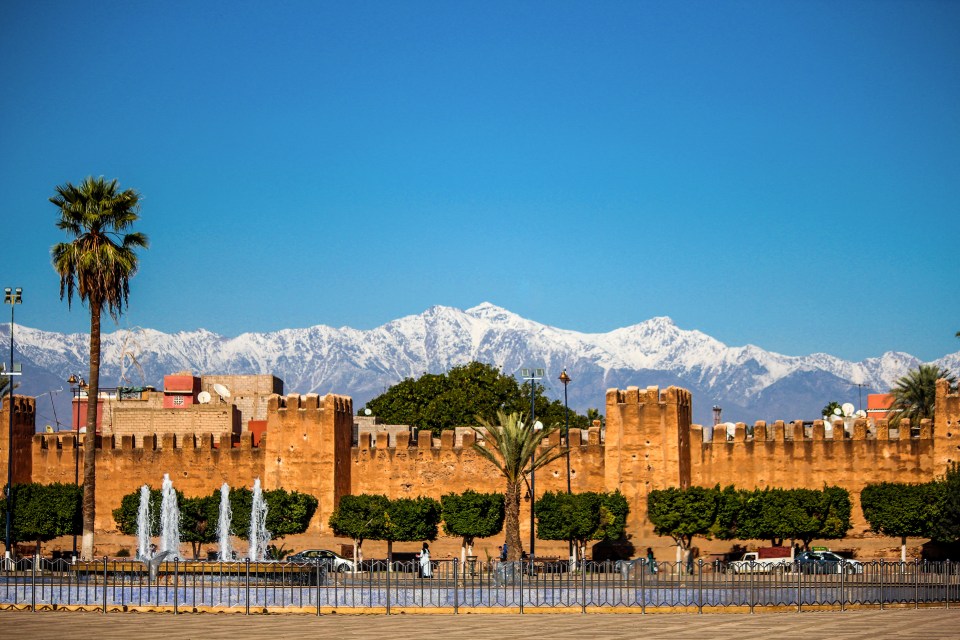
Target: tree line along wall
[[649, 443]]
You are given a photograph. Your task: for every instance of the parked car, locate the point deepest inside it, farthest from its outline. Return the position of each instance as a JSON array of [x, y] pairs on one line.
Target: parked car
[[753, 563], [334, 562], [826, 562]]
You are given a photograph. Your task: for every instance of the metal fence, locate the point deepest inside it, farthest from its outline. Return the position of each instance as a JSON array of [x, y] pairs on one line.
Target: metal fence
[[271, 587]]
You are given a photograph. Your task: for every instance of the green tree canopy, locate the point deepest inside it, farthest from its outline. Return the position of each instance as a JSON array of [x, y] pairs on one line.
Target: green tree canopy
[[683, 514], [126, 514], [43, 512], [288, 512], [360, 517], [900, 510], [410, 520], [582, 517], [947, 527], [458, 397], [471, 515], [198, 521]]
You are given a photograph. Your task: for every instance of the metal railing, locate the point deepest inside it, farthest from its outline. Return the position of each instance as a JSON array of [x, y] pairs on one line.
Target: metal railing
[[250, 587]]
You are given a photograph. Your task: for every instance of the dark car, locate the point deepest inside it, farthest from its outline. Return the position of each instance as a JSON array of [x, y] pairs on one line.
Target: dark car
[[826, 562], [333, 561]]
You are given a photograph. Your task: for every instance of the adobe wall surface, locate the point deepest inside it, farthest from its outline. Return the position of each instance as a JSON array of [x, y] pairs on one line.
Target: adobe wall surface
[[420, 466], [194, 465], [24, 421]]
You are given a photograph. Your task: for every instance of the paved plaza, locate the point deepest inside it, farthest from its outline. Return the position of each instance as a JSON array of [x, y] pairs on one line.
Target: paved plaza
[[872, 624]]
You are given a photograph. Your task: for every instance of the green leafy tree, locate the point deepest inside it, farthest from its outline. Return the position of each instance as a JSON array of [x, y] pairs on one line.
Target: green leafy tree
[[582, 517], [198, 521], [947, 527], [730, 523], [360, 517], [513, 447], [126, 514], [683, 514], [288, 512], [97, 265], [915, 393], [900, 510], [796, 514], [471, 515], [458, 397], [410, 520], [44, 511]]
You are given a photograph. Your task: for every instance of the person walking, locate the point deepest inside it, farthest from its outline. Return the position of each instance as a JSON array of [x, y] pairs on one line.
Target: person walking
[[425, 569], [651, 560]]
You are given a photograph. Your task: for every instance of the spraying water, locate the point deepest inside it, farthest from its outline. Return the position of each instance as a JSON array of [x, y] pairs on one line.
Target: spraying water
[[169, 519], [144, 524], [259, 536], [223, 523]]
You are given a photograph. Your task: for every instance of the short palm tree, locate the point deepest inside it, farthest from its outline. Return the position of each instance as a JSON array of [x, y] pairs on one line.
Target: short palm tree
[[96, 264], [510, 445], [914, 395]]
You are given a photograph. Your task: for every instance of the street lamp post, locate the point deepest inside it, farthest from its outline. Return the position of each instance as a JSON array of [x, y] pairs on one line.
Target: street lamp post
[[77, 385], [565, 379], [532, 375], [12, 297]]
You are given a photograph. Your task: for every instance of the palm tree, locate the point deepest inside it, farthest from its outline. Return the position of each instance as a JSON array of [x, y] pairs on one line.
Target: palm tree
[[915, 392], [97, 265], [510, 445]]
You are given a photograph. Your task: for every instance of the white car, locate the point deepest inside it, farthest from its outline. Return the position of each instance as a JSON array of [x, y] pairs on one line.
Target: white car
[[334, 562]]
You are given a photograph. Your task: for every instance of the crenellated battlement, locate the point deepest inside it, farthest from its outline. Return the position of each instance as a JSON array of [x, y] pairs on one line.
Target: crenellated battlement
[[151, 442], [817, 431]]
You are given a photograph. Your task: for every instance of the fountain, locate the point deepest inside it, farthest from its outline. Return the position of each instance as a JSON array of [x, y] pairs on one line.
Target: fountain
[[259, 536], [144, 524], [223, 523], [169, 519]]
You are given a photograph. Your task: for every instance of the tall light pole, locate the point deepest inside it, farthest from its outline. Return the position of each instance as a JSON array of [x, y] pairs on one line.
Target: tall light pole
[[565, 379], [12, 297], [80, 384], [532, 375]]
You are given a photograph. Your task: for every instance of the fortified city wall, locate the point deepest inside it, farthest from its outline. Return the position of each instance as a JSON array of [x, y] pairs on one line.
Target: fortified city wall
[[648, 443]]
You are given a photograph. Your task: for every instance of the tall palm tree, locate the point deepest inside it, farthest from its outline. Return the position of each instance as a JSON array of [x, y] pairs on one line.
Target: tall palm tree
[[510, 445], [914, 395], [97, 265]]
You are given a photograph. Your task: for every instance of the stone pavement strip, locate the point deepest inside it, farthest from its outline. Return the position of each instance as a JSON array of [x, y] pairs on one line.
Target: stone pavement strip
[[923, 624]]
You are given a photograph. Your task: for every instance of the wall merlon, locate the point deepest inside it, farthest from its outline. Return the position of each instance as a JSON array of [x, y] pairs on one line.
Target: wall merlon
[[448, 438], [576, 438], [383, 440], [403, 440], [593, 436], [926, 429], [364, 441], [819, 432], [127, 442], [760, 431]]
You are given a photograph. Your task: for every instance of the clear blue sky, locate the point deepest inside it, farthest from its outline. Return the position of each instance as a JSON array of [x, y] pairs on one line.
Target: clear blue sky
[[785, 174]]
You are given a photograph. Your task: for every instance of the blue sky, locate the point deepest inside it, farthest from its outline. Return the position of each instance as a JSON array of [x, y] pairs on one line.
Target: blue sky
[[785, 174]]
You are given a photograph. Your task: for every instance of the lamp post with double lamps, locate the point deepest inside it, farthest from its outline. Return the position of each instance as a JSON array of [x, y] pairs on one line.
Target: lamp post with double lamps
[[532, 375], [12, 297], [77, 385]]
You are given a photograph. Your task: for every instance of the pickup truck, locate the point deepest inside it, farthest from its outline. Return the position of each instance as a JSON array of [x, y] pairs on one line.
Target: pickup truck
[[752, 562]]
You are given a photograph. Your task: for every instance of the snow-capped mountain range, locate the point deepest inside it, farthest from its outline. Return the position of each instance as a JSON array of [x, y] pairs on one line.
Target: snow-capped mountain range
[[747, 382]]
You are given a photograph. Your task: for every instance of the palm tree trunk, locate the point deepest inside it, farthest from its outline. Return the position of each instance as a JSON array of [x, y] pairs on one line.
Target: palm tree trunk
[[90, 438], [512, 517]]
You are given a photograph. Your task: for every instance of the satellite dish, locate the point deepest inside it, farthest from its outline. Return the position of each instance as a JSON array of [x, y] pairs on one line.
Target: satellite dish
[[367, 412], [838, 411], [203, 397], [848, 409], [861, 414], [221, 390]]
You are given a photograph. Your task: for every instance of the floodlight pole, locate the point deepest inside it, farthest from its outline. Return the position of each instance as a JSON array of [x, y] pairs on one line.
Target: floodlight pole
[[565, 379], [532, 375], [12, 297]]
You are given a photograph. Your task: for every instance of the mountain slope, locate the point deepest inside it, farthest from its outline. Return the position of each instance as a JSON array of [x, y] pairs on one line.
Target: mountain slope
[[748, 382]]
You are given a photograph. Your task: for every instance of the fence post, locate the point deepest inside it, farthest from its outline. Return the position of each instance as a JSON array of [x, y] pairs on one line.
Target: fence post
[[881, 585], [948, 572], [796, 565], [643, 568], [247, 589], [700, 586], [916, 583], [389, 571], [753, 594], [316, 587], [843, 574], [583, 584], [176, 585], [104, 584], [33, 580], [520, 562], [456, 587]]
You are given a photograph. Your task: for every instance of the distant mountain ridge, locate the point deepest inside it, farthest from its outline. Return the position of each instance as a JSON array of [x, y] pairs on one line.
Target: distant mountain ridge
[[748, 382]]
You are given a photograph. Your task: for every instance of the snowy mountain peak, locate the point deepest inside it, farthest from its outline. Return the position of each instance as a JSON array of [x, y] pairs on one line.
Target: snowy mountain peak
[[748, 382]]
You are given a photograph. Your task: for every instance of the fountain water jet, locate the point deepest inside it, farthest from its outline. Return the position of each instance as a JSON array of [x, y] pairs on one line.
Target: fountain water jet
[[223, 523], [169, 519], [259, 536], [144, 524]]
